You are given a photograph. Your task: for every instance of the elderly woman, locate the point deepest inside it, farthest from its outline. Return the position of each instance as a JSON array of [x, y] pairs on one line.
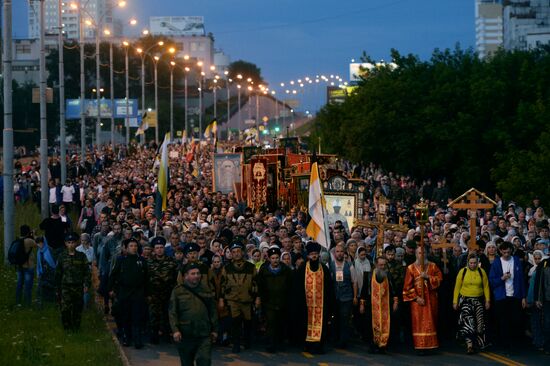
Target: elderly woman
[[471, 293], [491, 252], [536, 313]]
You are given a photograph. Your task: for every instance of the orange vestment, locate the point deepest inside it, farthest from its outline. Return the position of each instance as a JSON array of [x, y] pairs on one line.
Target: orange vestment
[[424, 318], [380, 303], [314, 302]]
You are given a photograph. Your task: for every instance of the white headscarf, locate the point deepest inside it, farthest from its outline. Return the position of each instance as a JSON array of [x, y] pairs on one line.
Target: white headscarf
[[360, 267]]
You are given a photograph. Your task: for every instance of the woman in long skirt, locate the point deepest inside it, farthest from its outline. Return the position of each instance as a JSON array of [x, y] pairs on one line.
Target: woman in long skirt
[[471, 298]]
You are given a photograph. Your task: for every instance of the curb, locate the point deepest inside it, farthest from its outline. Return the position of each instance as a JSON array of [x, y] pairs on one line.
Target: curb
[[123, 357]]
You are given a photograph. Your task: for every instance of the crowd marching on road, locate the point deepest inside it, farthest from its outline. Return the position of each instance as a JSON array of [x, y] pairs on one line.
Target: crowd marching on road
[[210, 271]]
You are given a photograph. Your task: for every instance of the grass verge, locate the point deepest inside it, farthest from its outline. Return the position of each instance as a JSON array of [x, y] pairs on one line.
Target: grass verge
[[33, 336]]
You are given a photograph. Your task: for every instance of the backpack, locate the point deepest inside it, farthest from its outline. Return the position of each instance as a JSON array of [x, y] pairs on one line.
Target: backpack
[[17, 255], [465, 269]]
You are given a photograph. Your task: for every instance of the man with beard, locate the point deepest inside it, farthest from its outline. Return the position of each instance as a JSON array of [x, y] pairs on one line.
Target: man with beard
[[420, 289], [238, 289], [314, 296], [381, 302], [162, 277], [274, 279]]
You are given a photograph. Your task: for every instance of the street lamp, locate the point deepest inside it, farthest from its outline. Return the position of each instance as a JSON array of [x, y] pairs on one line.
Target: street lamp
[[227, 81], [143, 53], [62, 138], [155, 61], [172, 64], [187, 69], [107, 33], [126, 47], [200, 64]]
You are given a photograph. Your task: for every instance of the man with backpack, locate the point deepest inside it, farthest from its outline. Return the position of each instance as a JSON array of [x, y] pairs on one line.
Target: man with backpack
[[20, 254]]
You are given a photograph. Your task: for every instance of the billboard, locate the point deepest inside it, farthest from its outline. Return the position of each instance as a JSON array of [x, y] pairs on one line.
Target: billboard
[[72, 108], [356, 70], [177, 26]]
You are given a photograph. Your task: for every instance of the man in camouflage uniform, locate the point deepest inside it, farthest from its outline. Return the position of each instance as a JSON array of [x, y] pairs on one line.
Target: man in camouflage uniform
[[238, 289], [193, 318], [396, 273], [162, 279], [73, 278]]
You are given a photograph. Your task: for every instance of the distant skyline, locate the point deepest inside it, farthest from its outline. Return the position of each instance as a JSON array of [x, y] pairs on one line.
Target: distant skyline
[[290, 39]]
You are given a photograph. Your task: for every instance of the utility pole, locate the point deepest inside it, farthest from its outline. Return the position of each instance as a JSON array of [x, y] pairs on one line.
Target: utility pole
[[98, 87], [82, 88], [44, 191], [9, 212], [111, 80], [62, 138]]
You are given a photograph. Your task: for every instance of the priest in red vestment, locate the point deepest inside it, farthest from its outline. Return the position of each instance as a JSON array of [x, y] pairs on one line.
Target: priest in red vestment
[[420, 289]]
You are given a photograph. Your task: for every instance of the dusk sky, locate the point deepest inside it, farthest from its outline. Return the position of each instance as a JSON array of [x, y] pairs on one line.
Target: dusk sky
[[289, 39]]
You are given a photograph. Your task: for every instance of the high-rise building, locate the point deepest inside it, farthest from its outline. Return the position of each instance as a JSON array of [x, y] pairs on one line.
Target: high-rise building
[[489, 28], [97, 11], [526, 24]]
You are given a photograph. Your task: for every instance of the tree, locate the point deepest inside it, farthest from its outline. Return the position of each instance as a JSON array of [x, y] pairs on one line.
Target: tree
[[481, 123], [247, 70]]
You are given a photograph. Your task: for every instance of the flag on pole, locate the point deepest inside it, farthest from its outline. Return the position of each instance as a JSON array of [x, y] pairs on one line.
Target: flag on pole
[[184, 137], [317, 228], [163, 178], [212, 128]]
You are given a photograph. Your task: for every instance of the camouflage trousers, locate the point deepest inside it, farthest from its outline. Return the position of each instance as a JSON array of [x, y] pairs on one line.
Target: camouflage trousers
[[71, 306], [158, 312]]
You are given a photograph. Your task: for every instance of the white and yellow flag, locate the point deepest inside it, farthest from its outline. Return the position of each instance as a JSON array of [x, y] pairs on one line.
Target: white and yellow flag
[[317, 228]]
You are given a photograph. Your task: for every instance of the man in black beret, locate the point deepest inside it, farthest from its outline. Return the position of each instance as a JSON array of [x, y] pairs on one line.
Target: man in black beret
[[274, 282], [73, 279], [193, 317], [191, 254], [238, 291]]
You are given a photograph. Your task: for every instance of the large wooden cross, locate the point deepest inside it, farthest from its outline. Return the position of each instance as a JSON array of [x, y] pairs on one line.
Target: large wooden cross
[[381, 225], [473, 200], [444, 245]]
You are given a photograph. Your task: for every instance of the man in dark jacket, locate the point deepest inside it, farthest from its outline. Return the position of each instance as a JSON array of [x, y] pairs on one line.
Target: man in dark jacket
[[274, 281], [129, 284], [193, 318]]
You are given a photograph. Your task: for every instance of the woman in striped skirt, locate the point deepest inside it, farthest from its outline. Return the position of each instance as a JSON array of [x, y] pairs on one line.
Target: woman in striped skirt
[[471, 298]]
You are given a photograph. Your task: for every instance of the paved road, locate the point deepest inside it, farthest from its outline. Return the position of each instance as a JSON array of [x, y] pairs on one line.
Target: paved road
[[166, 355]]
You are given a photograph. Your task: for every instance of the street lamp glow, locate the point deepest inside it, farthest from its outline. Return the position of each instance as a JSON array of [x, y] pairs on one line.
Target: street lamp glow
[[88, 22], [161, 43], [74, 6], [171, 50], [121, 4], [291, 82], [107, 32], [273, 92], [239, 76], [156, 58], [203, 73], [238, 86], [172, 63], [212, 68], [282, 85], [249, 80], [145, 32], [139, 50], [125, 43], [186, 57], [133, 21], [217, 77], [187, 69], [199, 64], [250, 88], [226, 72]]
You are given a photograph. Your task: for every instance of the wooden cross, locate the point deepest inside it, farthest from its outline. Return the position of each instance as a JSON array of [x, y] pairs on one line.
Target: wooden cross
[[444, 245], [381, 226], [472, 201]]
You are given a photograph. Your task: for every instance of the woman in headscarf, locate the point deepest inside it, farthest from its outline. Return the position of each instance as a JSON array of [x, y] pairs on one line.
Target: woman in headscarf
[[287, 259], [491, 252], [363, 272], [536, 313]]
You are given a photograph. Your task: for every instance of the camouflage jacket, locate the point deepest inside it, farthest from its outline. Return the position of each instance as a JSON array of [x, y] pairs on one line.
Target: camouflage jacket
[[162, 273], [188, 314], [72, 270]]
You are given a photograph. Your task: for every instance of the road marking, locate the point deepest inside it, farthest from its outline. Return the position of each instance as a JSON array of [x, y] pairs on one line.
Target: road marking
[[501, 359], [307, 355]]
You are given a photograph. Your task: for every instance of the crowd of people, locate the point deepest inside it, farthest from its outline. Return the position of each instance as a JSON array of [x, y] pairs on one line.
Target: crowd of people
[[209, 269]]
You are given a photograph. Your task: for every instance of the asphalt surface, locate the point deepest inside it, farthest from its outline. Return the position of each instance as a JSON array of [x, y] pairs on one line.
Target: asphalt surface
[[356, 354]]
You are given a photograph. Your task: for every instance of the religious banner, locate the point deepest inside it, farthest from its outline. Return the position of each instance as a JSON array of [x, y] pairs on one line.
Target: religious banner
[[258, 185], [227, 172], [249, 152]]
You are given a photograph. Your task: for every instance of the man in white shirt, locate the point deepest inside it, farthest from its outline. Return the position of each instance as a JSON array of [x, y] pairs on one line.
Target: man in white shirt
[[67, 192]]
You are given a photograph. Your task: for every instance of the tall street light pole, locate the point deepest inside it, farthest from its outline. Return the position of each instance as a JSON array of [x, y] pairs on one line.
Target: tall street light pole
[[112, 88], [62, 138], [185, 101], [155, 60], [140, 51], [98, 87], [127, 124], [172, 64], [227, 80], [43, 132], [82, 86], [7, 133], [239, 105]]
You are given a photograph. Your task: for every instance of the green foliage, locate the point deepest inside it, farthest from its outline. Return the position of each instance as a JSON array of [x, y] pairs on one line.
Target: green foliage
[[247, 70], [479, 123], [33, 336]]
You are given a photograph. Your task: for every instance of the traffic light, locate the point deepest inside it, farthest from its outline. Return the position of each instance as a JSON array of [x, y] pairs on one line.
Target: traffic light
[[277, 128]]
